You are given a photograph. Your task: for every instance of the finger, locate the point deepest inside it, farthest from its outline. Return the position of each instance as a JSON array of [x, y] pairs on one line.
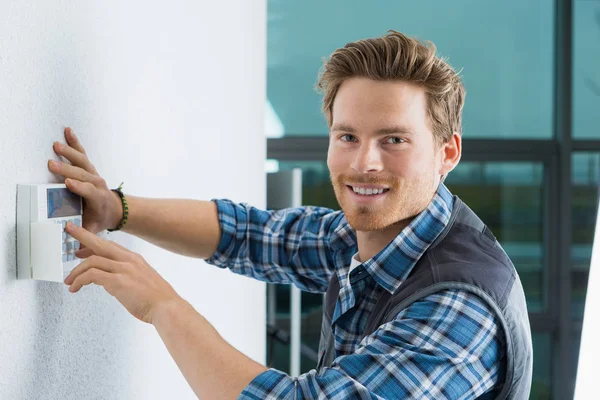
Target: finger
[[121, 247], [92, 275], [128, 254], [73, 141], [74, 156], [99, 246], [92, 262], [74, 172], [84, 253], [86, 190]]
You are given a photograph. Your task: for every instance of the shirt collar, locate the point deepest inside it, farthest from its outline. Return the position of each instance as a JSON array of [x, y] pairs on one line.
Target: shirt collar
[[391, 266]]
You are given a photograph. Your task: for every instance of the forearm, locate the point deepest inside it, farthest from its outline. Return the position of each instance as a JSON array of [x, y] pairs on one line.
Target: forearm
[[187, 227], [212, 367]]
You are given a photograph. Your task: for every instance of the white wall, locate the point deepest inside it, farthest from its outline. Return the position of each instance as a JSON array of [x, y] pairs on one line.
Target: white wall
[[589, 350], [169, 100]]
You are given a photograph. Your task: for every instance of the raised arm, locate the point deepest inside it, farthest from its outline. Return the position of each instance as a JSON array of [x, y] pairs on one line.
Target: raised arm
[[187, 227], [283, 246], [288, 246]]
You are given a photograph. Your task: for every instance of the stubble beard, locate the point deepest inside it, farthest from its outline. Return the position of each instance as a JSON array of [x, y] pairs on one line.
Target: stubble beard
[[402, 203]]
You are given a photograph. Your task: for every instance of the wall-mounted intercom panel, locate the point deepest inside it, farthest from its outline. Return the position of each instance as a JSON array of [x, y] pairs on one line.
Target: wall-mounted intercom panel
[[45, 251]]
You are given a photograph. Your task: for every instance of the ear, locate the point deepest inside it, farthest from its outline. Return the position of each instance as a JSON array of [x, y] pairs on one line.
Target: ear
[[450, 153]]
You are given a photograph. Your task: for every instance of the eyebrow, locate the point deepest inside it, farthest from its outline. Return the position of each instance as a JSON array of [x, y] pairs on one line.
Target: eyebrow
[[382, 131]]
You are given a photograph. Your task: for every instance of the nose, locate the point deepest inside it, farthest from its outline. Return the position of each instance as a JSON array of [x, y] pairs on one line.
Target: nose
[[367, 159]]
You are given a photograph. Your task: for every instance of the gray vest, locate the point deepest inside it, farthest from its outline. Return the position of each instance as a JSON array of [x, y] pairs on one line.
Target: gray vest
[[465, 256]]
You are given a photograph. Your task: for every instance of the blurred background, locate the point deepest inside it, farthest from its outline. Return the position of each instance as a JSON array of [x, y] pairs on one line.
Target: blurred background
[[531, 143]]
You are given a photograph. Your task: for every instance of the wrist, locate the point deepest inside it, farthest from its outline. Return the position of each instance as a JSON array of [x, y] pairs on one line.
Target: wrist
[[167, 309], [117, 210]]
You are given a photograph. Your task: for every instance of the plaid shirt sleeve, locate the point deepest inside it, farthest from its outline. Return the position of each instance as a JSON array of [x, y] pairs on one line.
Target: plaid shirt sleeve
[[448, 345], [283, 246]]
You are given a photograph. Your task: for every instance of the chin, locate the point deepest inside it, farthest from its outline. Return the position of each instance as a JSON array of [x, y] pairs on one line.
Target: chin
[[365, 227], [368, 221], [396, 210]]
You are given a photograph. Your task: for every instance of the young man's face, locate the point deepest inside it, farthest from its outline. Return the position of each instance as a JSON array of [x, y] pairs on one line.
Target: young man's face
[[379, 140]]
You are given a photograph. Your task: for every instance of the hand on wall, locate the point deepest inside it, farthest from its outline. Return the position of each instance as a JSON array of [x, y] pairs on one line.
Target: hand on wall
[[101, 207], [123, 273]]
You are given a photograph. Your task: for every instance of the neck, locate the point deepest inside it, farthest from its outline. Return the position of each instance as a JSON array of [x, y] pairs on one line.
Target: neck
[[372, 242]]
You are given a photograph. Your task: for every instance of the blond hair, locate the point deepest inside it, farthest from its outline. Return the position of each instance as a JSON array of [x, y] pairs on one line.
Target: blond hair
[[398, 57]]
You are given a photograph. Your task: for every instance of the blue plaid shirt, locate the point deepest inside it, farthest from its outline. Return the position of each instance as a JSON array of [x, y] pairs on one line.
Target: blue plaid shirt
[[448, 345]]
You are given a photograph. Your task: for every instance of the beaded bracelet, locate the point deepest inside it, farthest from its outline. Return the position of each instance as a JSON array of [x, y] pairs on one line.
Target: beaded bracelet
[[125, 208]]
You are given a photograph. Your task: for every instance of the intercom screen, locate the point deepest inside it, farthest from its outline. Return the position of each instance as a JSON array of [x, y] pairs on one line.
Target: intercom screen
[[63, 203]]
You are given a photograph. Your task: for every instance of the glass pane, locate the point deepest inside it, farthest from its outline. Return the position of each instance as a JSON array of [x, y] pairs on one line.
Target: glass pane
[[585, 181], [541, 385], [505, 50], [586, 75], [316, 186], [508, 197], [312, 315], [278, 345]]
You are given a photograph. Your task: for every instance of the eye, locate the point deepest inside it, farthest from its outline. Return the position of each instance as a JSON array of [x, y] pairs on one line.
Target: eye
[[395, 140], [347, 138]]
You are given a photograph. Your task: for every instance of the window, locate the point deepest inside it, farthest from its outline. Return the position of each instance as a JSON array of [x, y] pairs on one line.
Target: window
[[541, 385], [510, 62], [505, 51], [586, 75]]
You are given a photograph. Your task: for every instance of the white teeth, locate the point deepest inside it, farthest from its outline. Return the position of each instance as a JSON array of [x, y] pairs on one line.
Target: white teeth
[[367, 192]]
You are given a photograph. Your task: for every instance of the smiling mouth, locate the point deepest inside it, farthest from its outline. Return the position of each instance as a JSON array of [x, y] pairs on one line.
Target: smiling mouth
[[373, 192]]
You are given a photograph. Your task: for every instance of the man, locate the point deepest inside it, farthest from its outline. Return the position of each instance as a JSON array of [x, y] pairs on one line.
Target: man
[[422, 302]]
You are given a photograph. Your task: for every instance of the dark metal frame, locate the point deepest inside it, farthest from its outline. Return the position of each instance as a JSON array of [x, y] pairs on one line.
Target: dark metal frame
[[563, 102], [556, 155], [314, 148]]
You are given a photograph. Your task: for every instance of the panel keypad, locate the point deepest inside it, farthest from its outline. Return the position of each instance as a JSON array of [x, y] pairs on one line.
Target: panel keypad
[[69, 244]]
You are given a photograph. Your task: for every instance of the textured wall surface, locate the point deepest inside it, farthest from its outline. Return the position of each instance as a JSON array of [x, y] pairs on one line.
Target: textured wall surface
[[168, 99]]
